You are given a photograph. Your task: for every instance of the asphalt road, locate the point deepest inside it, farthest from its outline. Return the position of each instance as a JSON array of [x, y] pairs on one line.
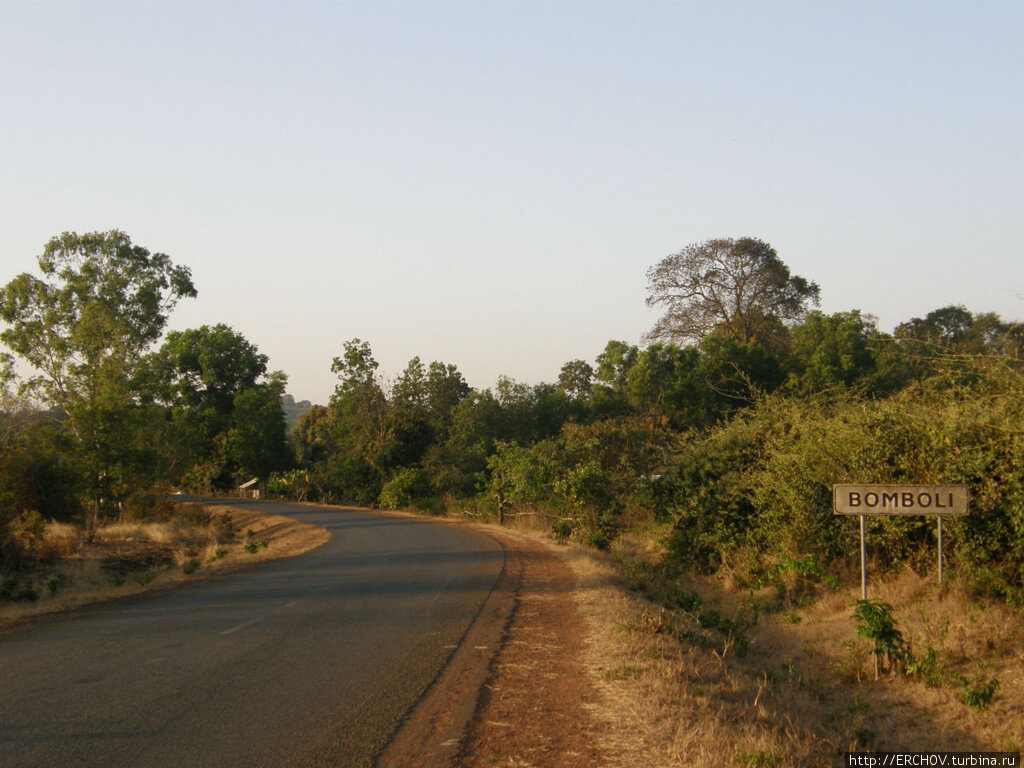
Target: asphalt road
[[310, 661]]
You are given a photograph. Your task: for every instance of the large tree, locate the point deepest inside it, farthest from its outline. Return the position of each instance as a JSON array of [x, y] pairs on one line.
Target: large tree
[[361, 427], [83, 326], [734, 288], [955, 329], [223, 409]]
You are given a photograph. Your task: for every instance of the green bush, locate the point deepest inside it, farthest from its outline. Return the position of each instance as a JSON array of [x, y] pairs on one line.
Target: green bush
[[255, 545], [979, 693], [585, 495], [875, 622], [52, 584], [404, 488]]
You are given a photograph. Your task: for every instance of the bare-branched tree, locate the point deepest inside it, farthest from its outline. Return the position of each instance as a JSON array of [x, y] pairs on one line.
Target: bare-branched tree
[[737, 288]]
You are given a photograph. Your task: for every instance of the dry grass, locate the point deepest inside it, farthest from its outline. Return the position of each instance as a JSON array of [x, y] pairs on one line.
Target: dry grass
[[802, 690], [123, 558]]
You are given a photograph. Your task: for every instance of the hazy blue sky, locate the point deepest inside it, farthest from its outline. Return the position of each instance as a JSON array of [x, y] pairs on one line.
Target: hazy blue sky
[[486, 183]]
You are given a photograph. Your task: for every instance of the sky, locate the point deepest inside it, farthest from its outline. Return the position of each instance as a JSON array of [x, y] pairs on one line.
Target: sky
[[487, 183]]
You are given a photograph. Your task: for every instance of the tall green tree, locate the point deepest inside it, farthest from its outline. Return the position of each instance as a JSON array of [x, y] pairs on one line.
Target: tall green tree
[[608, 394], [576, 379], [257, 439], [83, 326], [203, 368], [224, 410], [446, 388], [361, 426], [954, 329]]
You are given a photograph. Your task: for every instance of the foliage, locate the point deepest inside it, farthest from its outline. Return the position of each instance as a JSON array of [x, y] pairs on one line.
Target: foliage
[[763, 479], [954, 329], [576, 379], [83, 327], [203, 369], [258, 444], [252, 544], [520, 475], [585, 496], [832, 353], [297, 484], [875, 623], [404, 488], [977, 694]]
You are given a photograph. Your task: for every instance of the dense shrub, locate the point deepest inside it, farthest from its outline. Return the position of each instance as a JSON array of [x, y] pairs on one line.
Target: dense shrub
[[404, 488], [584, 493], [763, 480]]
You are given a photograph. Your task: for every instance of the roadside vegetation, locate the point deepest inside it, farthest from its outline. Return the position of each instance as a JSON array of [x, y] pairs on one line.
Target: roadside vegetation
[[64, 566], [711, 450], [695, 672]]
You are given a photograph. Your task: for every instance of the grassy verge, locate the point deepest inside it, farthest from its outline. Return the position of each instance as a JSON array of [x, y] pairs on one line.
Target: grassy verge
[[700, 673], [66, 567]]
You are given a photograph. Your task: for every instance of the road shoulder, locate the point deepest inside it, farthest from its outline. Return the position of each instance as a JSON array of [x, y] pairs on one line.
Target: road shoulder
[[517, 690]]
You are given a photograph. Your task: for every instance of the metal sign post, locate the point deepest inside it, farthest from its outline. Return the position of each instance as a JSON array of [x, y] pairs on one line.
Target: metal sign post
[[863, 564], [932, 500]]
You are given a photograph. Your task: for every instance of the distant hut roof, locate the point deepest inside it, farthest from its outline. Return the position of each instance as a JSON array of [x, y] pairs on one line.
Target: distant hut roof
[[251, 484]]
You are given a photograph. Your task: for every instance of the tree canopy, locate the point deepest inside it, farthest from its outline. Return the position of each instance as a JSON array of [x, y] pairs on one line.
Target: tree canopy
[[100, 304], [738, 288], [83, 326]]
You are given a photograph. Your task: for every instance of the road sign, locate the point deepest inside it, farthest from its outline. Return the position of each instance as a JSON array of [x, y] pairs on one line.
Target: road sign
[[899, 499], [935, 500]]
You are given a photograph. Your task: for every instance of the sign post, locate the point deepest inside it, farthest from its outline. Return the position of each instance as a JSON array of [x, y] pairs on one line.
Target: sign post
[[933, 500], [863, 564]]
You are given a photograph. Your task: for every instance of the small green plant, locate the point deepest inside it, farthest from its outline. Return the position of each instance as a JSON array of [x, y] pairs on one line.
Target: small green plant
[[875, 623], [190, 566], [979, 693], [926, 667], [624, 672], [857, 706], [27, 594], [255, 545], [218, 554], [52, 583]]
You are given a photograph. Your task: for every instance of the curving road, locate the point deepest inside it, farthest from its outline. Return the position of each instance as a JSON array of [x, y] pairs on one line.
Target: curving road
[[311, 661]]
